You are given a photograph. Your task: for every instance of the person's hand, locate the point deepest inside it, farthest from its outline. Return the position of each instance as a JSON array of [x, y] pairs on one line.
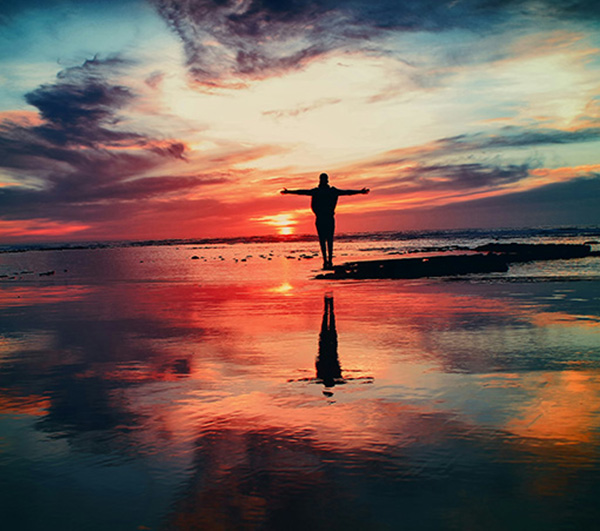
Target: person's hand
[[284, 191], [365, 191]]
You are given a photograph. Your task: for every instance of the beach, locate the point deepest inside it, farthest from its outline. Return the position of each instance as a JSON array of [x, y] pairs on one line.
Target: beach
[[222, 386]]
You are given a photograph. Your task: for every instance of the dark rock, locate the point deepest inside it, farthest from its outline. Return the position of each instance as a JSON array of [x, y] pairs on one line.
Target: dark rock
[[47, 273], [527, 252], [495, 260], [435, 266]]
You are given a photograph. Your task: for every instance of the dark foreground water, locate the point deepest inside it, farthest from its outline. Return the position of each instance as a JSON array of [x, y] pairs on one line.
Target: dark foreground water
[[141, 389]]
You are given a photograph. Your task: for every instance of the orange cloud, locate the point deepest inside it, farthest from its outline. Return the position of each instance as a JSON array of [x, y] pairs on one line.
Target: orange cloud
[[26, 229], [21, 118]]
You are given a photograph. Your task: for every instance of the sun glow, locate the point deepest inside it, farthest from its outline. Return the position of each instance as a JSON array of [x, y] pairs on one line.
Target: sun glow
[[284, 223]]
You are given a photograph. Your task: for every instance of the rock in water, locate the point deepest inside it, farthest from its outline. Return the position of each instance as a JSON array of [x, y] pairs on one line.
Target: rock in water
[[435, 266]]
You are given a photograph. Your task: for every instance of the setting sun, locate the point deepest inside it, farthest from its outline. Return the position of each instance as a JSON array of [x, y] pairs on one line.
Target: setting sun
[[284, 223]]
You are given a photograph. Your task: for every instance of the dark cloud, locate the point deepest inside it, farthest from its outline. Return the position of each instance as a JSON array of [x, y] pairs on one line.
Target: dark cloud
[[573, 203], [507, 137], [432, 168], [81, 107], [250, 38], [469, 176], [520, 137], [226, 39], [453, 178], [71, 157], [567, 203], [66, 196], [70, 105], [258, 37]]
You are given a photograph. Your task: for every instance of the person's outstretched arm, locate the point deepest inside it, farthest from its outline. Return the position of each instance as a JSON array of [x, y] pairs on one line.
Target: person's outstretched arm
[[296, 192], [354, 192]]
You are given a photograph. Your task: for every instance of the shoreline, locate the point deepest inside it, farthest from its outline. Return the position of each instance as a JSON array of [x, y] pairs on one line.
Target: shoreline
[[495, 234]]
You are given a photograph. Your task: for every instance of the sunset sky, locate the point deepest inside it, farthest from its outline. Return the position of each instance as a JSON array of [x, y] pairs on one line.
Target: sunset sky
[[157, 119]]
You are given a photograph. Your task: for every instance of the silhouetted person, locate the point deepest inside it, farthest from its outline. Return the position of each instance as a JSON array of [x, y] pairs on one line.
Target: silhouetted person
[[328, 366], [323, 202]]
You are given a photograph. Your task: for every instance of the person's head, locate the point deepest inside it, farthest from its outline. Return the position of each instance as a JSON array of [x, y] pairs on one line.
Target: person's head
[[323, 179]]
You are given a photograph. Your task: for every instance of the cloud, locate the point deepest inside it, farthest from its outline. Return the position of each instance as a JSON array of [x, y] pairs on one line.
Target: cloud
[[422, 186], [472, 144], [566, 203], [38, 227], [467, 176], [285, 113], [521, 137], [230, 41], [468, 180], [571, 203], [81, 107], [77, 162], [223, 39]]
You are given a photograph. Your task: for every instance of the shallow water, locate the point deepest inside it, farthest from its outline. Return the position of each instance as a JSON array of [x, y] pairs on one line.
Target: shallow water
[[141, 389]]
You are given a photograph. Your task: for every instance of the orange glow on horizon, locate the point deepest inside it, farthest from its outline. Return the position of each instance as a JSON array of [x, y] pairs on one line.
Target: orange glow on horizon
[[283, 223], [38, 227]]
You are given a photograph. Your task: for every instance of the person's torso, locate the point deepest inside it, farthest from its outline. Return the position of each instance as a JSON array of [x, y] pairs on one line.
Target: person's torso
[[324, 201]]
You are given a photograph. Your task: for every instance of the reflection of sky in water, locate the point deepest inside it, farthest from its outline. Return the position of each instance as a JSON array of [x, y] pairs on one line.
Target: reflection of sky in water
[[168, 397]]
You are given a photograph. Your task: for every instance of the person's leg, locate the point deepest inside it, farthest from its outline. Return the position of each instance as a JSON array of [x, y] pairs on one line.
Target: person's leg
[[322, 241], [325, 229], [330, 232], [323, 244]]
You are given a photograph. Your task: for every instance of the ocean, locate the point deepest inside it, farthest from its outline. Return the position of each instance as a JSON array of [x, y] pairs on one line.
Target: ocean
[[217, 384]]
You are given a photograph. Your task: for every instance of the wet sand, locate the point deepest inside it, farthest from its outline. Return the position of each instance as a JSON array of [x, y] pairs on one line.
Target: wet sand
[[144, 389]]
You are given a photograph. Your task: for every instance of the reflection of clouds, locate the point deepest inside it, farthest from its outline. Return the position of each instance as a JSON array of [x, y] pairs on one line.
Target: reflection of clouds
[[195, 376], [562, 407], [14, 296], [245, 459], [82, 351], [545, 319], [36, 406]]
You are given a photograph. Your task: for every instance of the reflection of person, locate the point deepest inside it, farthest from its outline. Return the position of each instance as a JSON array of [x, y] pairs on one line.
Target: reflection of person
[[323, 202], [329, 371]]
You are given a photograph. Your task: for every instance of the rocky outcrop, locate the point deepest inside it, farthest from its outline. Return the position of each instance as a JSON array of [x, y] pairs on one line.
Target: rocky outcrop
[[489, 258]]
